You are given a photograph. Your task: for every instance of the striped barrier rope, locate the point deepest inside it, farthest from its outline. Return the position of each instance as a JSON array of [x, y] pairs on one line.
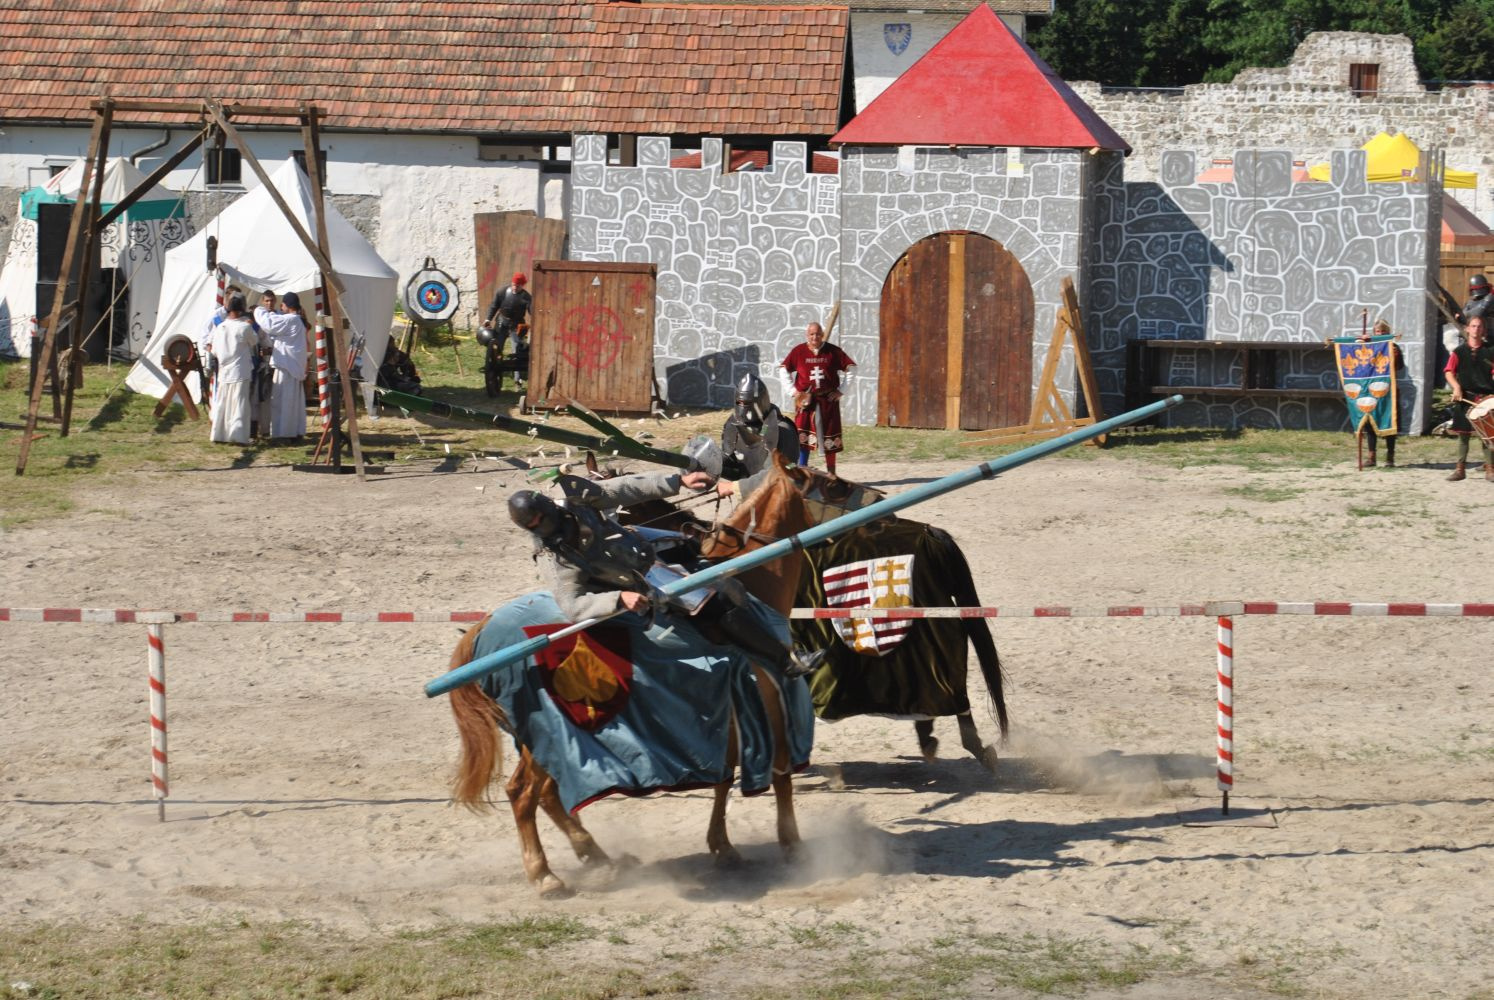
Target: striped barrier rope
[[1213, 609]]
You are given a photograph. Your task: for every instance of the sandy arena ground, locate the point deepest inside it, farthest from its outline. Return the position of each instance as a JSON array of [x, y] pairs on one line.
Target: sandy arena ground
[[308, 771]]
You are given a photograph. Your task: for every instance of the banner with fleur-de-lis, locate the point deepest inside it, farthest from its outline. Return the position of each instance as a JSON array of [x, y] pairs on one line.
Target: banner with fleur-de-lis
[[1366, 370]]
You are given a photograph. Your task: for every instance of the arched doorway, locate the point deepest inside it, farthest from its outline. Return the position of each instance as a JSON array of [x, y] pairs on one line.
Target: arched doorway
[[956, 336]]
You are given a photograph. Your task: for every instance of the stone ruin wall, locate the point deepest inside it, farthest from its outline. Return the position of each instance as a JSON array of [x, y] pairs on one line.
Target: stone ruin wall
[[1260, 259], [1307, 108], [745, 260]]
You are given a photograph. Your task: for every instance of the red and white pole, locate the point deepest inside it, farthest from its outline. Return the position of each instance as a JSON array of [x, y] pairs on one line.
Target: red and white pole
[[324, 406], [155, 635], [1226, 720]]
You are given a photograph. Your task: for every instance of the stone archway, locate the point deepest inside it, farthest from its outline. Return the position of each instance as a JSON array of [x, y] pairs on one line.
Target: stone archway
[[956, 336]]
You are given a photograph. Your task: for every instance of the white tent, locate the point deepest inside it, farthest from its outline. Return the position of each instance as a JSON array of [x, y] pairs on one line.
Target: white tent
[[135, 244], [259, 251]]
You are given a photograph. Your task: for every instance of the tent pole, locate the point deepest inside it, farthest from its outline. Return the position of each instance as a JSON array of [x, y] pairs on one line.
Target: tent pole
[[55, 319], [330, 283]]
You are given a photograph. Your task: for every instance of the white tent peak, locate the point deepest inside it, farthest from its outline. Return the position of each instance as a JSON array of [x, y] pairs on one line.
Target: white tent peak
[[120, 178]]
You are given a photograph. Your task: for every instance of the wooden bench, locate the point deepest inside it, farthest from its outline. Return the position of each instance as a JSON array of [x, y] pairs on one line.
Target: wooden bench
[[1258, 371]]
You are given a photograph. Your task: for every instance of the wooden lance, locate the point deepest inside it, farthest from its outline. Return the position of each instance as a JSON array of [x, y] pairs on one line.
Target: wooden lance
[[484, 665]]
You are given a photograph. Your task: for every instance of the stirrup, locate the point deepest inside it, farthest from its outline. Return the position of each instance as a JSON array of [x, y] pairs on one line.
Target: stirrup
[[801, 662]]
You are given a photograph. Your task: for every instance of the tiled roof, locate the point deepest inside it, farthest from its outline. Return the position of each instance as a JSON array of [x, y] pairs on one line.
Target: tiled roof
[[757, 159], [459, 65], [1036, 7], [980, 85]]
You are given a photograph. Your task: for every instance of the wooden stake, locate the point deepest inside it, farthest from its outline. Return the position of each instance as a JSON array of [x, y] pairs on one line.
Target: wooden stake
[[78, 337], [331, 282]]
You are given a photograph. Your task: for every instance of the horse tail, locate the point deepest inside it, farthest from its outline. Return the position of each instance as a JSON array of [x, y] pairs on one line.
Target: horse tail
[[977, 630], [477, 719]]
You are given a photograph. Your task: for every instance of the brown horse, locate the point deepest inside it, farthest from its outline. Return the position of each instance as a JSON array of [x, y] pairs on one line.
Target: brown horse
[[774, 510]]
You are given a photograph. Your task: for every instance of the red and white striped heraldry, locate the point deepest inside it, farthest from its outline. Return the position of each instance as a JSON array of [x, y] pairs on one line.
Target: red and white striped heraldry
[[1226, 675], [157, 656]]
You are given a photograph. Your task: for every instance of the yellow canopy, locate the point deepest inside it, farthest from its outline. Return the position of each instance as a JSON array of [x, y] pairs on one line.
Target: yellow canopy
[[1394, 158]]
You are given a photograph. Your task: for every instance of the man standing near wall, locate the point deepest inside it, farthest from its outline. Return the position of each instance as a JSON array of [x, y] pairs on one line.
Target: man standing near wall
[[816, 370]]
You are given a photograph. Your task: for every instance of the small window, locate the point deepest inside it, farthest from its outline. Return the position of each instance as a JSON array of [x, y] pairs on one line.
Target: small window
[[223, 167], [1364, 79], [53, 169], [299, 155]]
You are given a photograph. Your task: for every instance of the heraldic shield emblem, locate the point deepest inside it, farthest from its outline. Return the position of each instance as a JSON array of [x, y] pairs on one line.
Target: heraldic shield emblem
[[886, 582], [897, 37], [589, 675]]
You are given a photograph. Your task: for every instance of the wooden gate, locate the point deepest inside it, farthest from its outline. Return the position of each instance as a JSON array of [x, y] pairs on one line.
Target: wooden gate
[[593, 336], [511, 241], [956, 328]]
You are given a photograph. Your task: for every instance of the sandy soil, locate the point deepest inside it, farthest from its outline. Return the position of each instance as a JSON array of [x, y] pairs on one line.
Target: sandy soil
[[308, 771]]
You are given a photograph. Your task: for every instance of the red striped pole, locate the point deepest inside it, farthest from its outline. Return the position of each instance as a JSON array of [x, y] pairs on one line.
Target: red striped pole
[[1226, 720], [324, 405], [155, 635]]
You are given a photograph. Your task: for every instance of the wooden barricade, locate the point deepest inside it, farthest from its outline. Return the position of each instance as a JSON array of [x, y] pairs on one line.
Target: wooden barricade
[[1051, 416], [592, 339], [510, 242]]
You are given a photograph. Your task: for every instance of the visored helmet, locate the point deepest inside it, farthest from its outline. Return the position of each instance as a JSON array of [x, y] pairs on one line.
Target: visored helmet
[[534, 512], [1478, 284], [752, 400]]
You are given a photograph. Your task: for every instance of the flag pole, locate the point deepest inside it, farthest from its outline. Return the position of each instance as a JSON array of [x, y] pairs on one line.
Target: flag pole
[[484, 665]]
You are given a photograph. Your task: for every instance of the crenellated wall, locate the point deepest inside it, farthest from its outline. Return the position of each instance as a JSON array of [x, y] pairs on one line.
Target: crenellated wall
[[745, 260]]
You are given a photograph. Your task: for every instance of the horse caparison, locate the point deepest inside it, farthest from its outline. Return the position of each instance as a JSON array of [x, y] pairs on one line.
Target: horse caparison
[[773, 511]]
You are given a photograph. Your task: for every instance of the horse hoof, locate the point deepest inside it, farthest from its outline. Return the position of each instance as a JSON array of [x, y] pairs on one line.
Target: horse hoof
[[930, 751], [989, 759], [551, 887], [792, 850], [728, 857]]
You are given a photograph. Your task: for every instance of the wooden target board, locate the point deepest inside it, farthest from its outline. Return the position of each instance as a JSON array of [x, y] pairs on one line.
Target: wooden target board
[[508, 242], [593, 335]]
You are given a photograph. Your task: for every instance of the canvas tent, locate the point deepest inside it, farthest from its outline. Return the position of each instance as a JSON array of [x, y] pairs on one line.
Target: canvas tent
[[134, 246], [1395, 158], [258, 250]]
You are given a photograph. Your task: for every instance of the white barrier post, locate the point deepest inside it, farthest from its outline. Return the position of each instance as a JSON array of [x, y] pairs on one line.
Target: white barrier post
[[155, 635], [1226, 721]]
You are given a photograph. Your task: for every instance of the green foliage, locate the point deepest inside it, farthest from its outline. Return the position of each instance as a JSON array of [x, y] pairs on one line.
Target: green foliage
[[1170, 43]]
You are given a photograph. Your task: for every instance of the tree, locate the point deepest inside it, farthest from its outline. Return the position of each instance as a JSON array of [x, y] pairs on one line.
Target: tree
[[1461, 45], [1145, 43], [1247, 33]]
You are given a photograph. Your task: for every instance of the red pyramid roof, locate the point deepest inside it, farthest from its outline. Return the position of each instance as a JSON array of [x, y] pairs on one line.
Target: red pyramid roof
[[980, 86]]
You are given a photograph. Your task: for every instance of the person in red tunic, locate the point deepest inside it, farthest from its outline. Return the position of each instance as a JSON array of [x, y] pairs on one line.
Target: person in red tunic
[[817, 370]]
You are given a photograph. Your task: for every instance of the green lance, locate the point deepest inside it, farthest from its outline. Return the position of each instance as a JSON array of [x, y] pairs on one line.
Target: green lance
[[484, 665]]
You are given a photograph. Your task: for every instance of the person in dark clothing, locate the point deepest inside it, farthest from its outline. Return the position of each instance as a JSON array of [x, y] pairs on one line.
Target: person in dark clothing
[[1470, 375], [510, 308], [1479, 299], [1371, 438]]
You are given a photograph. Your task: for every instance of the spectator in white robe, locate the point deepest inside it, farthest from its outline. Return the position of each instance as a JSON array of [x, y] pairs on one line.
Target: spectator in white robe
[[205, 342], [233, 345], [286, 331]]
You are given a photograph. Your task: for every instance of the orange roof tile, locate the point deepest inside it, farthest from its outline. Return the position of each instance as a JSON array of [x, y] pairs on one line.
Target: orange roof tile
[[458, 65]]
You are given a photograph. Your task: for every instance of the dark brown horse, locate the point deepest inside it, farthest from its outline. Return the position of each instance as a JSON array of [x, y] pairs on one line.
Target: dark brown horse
[[775, 510]]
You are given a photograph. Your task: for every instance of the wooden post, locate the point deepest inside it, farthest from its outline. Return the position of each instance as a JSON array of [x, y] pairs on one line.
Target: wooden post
[[331, 283], [97, 139], [78, 337]]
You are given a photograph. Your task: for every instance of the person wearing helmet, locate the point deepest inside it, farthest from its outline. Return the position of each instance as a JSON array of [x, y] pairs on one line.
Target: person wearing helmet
[[1479, 299], [757, 427], [508, 312], [596, 566]]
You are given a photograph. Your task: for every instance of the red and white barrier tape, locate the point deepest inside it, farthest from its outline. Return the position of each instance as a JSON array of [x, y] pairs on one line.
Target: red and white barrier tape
[[324, 404], [1213, 609]]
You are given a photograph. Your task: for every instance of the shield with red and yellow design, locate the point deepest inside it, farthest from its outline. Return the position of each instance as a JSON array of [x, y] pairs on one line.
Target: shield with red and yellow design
[[885, 582], [588, 675]]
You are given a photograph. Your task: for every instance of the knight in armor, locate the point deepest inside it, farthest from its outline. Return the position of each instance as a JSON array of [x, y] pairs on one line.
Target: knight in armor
[[1479, 300], [510, 308], [757, 428], [596, 566]]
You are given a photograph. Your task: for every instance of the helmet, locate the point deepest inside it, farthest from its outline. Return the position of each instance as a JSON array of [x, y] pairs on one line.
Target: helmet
[[484, 336], [534, 512], [752, 400], [1478, 283]]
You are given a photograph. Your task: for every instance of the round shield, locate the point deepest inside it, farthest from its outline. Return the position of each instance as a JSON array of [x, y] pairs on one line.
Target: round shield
[[431, 296]]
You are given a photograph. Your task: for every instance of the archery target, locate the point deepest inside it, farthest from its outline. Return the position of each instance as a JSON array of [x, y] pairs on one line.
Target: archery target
[[431, 296]]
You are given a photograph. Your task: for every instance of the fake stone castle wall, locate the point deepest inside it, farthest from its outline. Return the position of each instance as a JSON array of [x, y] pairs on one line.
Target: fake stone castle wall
[[1031, 201], [1261, 259], [745, 260]]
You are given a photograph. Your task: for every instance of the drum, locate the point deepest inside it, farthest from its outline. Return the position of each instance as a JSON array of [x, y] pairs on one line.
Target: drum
[[1481, 416]]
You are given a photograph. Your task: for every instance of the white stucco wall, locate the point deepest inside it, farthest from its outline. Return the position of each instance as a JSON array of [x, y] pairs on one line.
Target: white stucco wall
[[874, 62], [422, 190]]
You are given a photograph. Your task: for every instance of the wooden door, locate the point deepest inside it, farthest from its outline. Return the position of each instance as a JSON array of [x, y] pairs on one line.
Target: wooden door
[[956, 328], [507, 242], [593, 335]]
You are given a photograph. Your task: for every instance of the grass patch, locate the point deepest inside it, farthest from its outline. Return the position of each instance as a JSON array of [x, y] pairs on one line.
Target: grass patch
[[1265, 494]]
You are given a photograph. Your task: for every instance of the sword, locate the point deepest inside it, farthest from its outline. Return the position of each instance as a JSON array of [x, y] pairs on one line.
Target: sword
[[484, 665]]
